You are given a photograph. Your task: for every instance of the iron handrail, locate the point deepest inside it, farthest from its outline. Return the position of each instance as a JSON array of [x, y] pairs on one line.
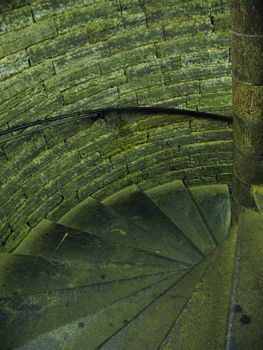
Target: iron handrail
[[100, 113]]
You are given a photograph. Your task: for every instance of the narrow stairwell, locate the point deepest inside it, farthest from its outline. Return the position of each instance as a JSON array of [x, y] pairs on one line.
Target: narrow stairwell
[[140, 271]]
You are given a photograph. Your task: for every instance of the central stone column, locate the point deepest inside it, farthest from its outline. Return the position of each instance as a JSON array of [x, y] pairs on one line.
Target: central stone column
[[247, 68]]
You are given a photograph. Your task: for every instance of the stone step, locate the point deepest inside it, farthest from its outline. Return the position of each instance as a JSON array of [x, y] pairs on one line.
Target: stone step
[[147, 330], [139, 209], [24, 318], [61, 242], [98, 219], [18, 272], [177, 203], [203, 323], [215, 207]]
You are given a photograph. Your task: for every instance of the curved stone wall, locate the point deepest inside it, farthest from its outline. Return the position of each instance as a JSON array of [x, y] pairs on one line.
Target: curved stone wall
[[47, 171], [63, 56]]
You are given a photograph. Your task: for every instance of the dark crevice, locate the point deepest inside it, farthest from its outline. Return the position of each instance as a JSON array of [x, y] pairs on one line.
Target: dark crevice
[[212, 20]]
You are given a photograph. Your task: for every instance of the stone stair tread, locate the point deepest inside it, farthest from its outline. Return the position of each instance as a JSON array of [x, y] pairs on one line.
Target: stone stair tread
[[214, 204], [18, 271], [177, 203], [247, 308], [135, 271], [157, 318], [212, 295], [141, 210], [26, 317], [96, 218], [61, 242]]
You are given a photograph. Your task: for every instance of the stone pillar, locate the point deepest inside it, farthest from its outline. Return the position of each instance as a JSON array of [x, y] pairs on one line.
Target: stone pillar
[[247, 69]]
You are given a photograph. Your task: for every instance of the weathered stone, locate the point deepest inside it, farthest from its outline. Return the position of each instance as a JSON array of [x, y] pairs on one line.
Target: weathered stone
[[184, 27], [247, 60], [13, 64], [16, 19], [14, 41], [197, 72], [81, 16], [51, 8], [59, 45], [247, 63], [212, 56], [137, 38], [162, 93], [91, 87], [248, 135], [73, 77], [88, 54], [247, 16], [151, 80], [248, 100], [187, 44], [127, 58], [25, 79], [221, 84], [241, 193], [248, 168]]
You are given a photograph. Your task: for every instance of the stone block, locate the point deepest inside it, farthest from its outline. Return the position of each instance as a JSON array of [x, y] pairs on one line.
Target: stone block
[[215, 99], [241, 193], [89, 133], [26, 79], [71, 78], [127, 58], [15, 41], [248, 101], [12, 204], [247, 59], [161, 13], [126, 100], [167, 92], [158, 120], [102, 31], [13, 64], [134, 39], [133, 20], [140, 84], [91, 87], [135, 153], [57, 46], [48, 8], [106, 98], [197, 72], [42, 211], [248, 135], [221, 84], [220, 146], [182, 27], [211, 56], [247, 167], [193, 43], [85, 16], [86, 55], [15, 19], [63, 208], [12, 4], [252, 22], [96, 145], [211, 158], [222, 22]]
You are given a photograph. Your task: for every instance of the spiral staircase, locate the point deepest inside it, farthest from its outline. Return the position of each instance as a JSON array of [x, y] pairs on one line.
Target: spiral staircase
[[141, 270]]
